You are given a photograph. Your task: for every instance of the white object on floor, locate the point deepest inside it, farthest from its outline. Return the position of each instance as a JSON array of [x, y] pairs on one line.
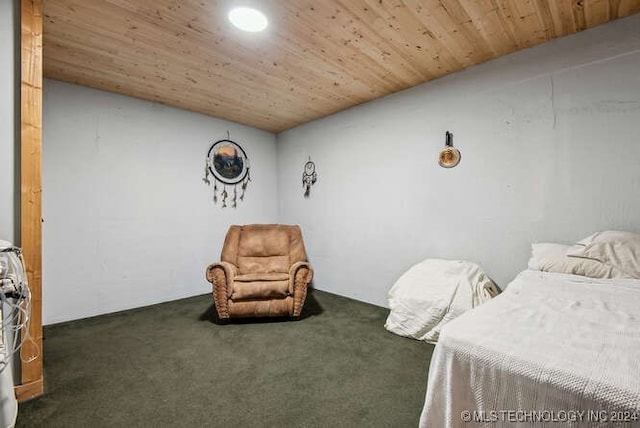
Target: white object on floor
[[8, 402], [14, 316], [551, 342], [432, 293]]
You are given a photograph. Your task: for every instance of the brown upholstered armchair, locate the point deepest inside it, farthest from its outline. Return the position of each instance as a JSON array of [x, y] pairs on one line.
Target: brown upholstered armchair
[[263, 272]]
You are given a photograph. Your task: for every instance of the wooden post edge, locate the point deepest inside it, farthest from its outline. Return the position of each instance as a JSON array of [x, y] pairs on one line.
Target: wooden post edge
[[29, 390]]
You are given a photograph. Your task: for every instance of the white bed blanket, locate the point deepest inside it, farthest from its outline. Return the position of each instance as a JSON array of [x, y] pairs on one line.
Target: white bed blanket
[[432, 293], [556, 349]]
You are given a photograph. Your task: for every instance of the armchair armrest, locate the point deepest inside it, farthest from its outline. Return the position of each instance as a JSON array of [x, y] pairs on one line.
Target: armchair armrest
[[230, 270], [220, 275], [302, 268], [300, 275]]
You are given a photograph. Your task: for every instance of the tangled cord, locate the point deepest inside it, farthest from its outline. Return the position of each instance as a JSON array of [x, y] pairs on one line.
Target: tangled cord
[[15, 300]]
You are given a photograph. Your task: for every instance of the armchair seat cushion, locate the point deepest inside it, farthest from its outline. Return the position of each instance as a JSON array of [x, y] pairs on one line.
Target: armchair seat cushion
[[260, 286], [262, 276]]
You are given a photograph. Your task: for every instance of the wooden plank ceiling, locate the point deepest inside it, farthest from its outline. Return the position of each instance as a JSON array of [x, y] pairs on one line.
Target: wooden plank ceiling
[[317, 57]]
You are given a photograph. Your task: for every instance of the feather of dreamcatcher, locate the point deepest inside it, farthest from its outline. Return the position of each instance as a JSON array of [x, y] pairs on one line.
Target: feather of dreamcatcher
[[224, 197], [206, 174], [235, 197]]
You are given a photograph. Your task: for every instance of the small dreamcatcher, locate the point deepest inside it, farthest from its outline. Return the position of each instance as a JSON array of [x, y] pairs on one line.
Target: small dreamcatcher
[[227, 162], [309, 176]]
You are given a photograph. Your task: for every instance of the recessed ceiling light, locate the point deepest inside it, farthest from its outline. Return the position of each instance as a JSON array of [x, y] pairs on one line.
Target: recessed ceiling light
[[248, 19]]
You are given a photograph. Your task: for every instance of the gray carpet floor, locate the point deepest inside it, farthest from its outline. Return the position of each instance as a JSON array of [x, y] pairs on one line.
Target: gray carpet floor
[[175, 365]]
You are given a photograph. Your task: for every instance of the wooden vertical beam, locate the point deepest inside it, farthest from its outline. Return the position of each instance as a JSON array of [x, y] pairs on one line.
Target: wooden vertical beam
[[32, 384]]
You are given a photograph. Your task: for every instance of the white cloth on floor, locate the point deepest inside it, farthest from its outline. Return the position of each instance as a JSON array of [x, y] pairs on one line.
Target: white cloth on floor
[[434, 292]]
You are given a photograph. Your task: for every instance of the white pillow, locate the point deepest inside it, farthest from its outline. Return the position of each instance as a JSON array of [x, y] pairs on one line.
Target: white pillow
[[618, 249], [551, 257]]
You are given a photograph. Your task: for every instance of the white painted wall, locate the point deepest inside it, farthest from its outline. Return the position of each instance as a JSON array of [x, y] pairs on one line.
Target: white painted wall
[[128, 220], [7, 119], [550, 152]]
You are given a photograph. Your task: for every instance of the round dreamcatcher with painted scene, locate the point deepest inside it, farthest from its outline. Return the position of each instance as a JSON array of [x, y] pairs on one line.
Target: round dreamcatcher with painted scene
[[228, 164]]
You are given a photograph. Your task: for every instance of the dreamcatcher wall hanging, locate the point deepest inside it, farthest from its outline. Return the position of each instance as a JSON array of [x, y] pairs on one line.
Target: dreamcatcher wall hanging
[[309, 177], [228, 164]]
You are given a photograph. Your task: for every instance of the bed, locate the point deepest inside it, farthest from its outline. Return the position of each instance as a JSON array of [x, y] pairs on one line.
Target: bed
[[553, 348]]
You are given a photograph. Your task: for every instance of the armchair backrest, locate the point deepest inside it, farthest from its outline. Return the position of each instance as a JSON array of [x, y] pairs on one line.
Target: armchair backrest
[[263, 248]]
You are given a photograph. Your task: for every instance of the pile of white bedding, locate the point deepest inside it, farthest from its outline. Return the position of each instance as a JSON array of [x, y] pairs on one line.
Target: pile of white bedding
[[432, 293]]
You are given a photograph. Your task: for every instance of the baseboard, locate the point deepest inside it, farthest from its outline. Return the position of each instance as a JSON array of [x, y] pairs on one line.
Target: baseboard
[[29, 390]]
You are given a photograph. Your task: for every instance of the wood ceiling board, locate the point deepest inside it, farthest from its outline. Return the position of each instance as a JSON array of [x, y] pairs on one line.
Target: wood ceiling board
[[315, 59]]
